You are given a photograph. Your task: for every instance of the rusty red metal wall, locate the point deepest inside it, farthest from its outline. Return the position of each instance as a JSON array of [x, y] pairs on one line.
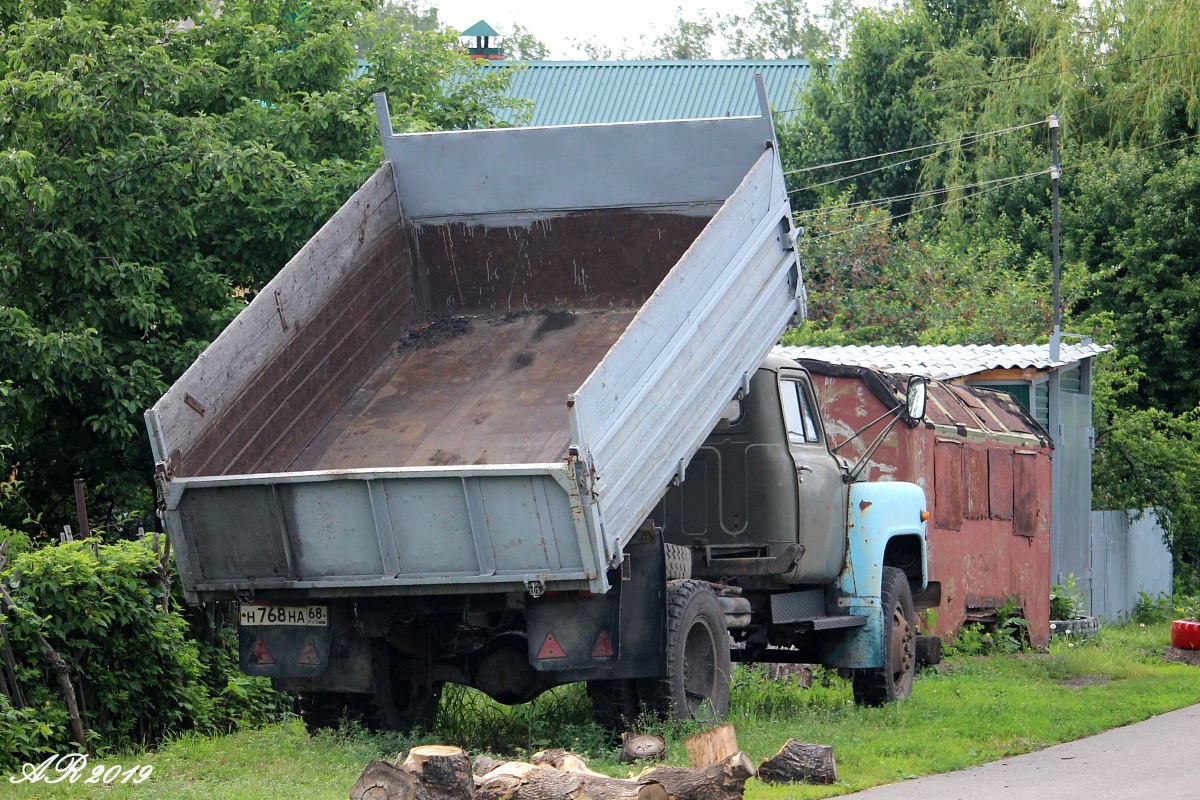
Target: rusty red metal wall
[[985, 469]]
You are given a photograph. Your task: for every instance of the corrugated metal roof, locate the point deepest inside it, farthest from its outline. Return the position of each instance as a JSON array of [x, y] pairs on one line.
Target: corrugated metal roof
[[946, 362], [588, 92]]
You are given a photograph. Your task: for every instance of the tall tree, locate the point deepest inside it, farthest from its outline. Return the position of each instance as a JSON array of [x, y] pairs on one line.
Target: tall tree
[[688, 39], [788, 29], [521, 45], [153, 175]]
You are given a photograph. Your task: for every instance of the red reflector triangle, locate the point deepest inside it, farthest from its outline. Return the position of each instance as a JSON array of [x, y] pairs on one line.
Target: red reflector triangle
[[603, 648], [309, 655], [551, 648], [261, 654]]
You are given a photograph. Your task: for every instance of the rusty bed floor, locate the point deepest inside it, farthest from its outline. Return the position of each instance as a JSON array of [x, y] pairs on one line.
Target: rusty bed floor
[[477, 390]]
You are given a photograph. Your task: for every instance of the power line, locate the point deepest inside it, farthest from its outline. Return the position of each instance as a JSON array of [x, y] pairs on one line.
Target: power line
[[998, 183], [923, 193], [1011, 78], [973, 136], [983, 186]]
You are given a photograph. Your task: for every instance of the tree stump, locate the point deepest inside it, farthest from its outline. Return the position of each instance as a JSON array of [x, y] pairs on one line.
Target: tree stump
[[798, 762], [642, 747], [383, 780], [710, 746], [440, 772], [724, 780]]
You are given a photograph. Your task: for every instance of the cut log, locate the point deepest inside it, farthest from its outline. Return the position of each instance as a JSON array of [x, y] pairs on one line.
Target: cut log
[[482, 765], [798, 762], [710, 746], [440, 772], [383, 780], [562, 761], [548, 783], [725, 780]]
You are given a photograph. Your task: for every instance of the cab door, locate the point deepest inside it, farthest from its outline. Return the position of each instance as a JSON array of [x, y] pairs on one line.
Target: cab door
[[821, 491]]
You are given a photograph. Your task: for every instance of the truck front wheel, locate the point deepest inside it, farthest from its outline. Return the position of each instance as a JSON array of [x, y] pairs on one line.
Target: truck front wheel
[[697, 682], [894, 680]]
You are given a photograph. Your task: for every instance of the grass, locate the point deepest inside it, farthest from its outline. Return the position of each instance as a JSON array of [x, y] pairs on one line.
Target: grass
[[970, 711]]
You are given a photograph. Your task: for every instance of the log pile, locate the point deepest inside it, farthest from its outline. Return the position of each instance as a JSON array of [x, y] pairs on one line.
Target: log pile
[[440, 772]]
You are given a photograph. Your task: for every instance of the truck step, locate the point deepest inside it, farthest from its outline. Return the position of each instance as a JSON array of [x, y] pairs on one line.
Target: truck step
[[796, 606], [829, 623], [806, 609]]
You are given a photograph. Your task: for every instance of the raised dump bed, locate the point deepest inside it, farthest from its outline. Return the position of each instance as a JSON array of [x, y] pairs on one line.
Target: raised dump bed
[[486, 368]]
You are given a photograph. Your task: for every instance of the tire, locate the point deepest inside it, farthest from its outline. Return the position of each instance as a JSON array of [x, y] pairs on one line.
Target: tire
[[398, 703], [679, 562], [696, 685], [615, 705], [893, 681]]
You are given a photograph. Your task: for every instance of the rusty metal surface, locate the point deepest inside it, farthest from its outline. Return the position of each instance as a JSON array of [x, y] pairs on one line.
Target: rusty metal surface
[[948, 485], [457, 391], [983, 545], [594, 259]]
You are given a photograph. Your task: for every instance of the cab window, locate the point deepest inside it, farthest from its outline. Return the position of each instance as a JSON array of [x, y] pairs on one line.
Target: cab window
[[798, 413]]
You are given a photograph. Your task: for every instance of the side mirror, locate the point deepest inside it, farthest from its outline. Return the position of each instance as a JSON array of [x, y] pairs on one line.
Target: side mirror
[[918, 390]]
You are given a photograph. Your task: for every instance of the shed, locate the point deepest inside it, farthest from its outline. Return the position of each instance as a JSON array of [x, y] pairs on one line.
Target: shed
[[1057, 393], [984, 464]]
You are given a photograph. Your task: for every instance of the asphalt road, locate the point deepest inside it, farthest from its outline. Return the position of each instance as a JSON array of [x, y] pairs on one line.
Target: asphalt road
[[1158, 759]]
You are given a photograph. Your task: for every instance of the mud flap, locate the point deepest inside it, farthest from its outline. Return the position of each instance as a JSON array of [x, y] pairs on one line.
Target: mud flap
[[283, 651], [620, 634]]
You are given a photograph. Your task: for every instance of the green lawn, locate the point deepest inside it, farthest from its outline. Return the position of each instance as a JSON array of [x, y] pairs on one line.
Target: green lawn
[[968, 712]]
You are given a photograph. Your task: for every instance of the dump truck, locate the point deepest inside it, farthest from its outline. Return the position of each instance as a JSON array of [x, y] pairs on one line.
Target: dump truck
[[509, 420]]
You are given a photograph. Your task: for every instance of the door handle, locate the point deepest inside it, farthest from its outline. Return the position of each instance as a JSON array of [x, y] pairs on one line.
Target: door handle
[[800, 470]]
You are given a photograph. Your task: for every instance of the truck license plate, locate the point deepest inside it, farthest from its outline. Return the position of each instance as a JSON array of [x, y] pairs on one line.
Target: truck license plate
[[256, 614]]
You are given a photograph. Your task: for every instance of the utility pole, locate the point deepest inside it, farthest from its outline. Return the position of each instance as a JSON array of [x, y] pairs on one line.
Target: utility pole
[[1055, 174]]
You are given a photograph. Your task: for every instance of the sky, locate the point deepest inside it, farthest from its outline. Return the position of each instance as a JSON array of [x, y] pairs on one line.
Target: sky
[[557, 22]]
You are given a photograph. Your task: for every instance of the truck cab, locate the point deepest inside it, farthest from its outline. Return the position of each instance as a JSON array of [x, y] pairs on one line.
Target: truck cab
[[780, 526]]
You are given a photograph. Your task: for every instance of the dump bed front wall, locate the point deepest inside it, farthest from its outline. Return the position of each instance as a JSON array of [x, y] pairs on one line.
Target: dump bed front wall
[[479, 174], [659, 391], [585, 260], [294, 355]]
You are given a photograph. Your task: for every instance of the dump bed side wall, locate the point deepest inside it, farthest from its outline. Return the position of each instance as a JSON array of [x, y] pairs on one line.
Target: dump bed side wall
[[660, 390], [294, 355]]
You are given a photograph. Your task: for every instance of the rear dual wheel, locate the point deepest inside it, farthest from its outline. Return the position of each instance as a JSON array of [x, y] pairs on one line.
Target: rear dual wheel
[[696, 684]]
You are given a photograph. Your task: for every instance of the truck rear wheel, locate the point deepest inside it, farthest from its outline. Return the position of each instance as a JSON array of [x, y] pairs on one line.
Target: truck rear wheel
[[400, 702], [893, 681], [615, 703], [697, 682]]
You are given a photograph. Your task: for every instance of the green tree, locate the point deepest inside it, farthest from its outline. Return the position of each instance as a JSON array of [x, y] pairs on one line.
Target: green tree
[[153, 175], [787, 29], [687, 40], [521, 45]]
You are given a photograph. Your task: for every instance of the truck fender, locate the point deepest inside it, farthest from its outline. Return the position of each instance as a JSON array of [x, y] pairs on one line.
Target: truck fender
[[881, 515]]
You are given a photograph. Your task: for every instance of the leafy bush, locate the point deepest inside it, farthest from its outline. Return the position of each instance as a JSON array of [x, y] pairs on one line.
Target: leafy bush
[[1066, 600], [1009, 633], [137, 674]]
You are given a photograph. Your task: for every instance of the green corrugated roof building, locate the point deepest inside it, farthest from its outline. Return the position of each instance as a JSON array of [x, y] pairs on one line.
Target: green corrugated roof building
[[583, 92]]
